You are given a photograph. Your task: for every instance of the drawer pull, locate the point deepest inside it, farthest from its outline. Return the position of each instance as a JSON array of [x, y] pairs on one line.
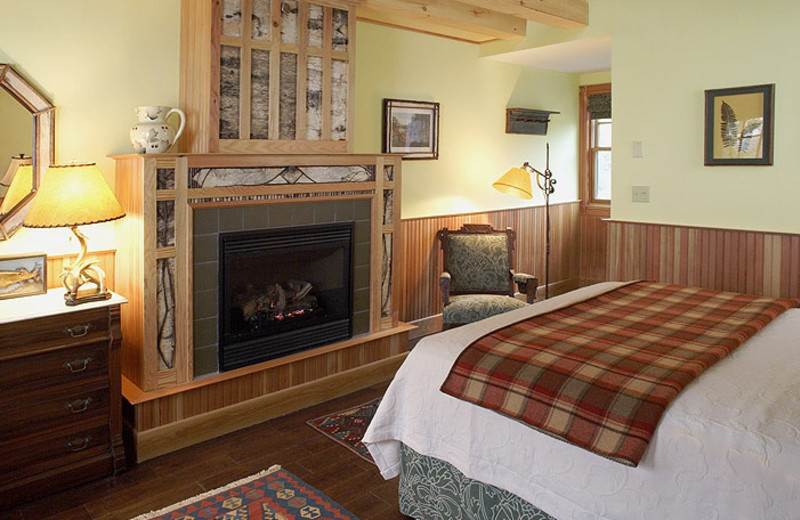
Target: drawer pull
[[79, 365], [79, 444], [78, 331], [79, 405]]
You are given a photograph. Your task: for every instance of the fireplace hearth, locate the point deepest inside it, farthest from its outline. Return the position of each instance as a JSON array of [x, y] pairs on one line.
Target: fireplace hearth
[[283, 291]]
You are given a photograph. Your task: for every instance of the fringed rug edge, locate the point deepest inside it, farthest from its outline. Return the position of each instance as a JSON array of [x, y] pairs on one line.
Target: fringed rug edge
[[153, 514]]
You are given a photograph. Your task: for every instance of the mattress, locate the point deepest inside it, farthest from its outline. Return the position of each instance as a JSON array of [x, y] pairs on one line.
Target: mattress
[[727, 447]]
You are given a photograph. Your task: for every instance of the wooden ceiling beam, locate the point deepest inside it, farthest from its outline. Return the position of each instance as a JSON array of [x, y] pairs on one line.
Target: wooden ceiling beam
[[421, 14], [566, 14]]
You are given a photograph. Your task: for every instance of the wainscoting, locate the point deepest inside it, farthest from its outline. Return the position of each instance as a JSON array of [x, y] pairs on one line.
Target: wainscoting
[[56, 263], [421, 251], [728, 260]]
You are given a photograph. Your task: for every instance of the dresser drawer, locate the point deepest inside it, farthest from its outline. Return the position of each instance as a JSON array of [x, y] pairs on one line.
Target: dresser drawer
[[65, 330], [51, 369], [43, 411], [43, 453]]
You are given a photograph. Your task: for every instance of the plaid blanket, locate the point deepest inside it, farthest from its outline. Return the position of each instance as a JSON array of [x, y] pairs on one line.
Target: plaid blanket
[[600, 373]]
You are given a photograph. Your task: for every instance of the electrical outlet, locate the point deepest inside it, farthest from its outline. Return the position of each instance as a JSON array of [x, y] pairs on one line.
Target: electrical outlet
[[641, 194]]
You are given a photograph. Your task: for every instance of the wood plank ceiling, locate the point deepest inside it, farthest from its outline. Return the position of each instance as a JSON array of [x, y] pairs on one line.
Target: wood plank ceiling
[[476, 21]]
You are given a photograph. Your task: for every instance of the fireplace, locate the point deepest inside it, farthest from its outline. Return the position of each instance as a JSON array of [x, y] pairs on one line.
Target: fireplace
[[283, 290]]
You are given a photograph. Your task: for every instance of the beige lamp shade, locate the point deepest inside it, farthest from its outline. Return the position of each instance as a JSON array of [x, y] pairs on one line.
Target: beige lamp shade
[[516, 182], [19, 188], [73, 195]]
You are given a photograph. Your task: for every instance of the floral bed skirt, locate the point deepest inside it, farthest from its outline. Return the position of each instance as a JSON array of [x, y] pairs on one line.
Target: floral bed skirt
[[431, 489]]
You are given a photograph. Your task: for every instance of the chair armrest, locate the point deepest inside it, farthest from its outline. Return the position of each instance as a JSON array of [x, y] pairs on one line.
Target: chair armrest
[[527, 285], [444, 287]]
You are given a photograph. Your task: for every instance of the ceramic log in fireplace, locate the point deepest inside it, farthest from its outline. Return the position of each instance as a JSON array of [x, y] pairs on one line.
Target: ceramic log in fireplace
[[284, 291]]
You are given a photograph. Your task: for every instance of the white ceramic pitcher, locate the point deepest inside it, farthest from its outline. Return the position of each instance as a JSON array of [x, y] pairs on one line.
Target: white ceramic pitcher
[[152, 134]]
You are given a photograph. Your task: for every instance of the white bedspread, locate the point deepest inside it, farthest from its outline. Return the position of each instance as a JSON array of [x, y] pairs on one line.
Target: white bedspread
[[728, 447]]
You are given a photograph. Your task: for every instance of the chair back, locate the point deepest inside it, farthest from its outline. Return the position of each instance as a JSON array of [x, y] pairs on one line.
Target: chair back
[[479, 259]]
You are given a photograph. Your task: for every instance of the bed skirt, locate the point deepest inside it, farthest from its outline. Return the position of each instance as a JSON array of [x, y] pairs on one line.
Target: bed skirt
[[431, 489]]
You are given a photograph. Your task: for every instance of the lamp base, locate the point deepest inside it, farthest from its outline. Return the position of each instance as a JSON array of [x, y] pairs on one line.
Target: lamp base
[[76, 299]]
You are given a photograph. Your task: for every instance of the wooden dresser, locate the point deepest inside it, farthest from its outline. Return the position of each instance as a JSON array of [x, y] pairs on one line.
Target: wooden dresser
[[60, 398]]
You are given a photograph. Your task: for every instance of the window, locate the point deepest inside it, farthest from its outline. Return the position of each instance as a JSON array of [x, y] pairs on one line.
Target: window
[[595, 111]]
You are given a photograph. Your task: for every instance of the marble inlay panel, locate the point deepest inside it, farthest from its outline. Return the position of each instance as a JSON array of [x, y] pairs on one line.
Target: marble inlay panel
[[165, 217], [232, 18], [166, 312], [289, 21], [314, 99], [230, 66], [223, 177], [339, 100], [315, 24], [260, 22], [288, 93], [386, 276], [165, 179], [340, 30], [259, 94], [388, 207]]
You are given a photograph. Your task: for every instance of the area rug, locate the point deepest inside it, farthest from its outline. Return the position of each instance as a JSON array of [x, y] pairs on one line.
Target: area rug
[[348, 426], [273, 494]]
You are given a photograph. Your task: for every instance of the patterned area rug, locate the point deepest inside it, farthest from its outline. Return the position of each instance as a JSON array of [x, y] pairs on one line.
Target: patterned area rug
[[273, 494], [348, 426]]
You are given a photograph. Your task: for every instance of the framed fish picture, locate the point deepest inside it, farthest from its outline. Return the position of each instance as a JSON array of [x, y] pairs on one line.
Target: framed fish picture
[[23, 275], [739, 126]]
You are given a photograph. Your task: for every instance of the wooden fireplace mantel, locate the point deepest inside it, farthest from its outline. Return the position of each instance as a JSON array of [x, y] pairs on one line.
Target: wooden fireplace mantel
[[154, 270]]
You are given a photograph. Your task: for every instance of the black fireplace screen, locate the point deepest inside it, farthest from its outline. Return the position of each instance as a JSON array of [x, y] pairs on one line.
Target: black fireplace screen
[[283, 291]]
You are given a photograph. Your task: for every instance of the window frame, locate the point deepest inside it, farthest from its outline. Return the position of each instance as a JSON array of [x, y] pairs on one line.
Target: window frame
[[588, 150]]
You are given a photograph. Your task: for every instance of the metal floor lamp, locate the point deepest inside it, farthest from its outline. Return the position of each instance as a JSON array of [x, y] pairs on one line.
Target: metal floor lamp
[[517, 183]]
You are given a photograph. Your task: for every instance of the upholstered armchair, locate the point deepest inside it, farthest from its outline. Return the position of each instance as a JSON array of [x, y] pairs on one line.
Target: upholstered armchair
[[478, 274]]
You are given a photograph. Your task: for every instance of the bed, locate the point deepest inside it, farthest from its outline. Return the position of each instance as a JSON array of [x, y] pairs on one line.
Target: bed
[[727, 447]]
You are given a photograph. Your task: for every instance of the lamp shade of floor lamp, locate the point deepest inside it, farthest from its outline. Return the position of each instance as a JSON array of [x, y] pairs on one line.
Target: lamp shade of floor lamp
[[73, 195]]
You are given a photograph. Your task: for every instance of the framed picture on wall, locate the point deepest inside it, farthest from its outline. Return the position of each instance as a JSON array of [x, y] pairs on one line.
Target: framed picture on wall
[[23, 275], [739, 126], [411, 128]]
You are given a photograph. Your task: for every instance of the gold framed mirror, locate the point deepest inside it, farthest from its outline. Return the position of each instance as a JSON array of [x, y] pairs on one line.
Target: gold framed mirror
[[21, 176]]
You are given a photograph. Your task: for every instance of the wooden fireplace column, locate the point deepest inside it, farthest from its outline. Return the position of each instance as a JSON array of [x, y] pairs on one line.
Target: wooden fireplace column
[[166, 407]]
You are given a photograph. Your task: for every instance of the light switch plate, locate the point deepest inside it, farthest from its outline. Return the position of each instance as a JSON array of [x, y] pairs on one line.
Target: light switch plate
[[641, 194], [638, 149]]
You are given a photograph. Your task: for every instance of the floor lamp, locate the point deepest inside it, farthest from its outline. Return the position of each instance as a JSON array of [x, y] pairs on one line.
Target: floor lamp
[[517, 183]]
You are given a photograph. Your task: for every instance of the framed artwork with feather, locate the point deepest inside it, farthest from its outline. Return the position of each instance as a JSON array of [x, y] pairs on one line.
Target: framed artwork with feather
[[739, 126]]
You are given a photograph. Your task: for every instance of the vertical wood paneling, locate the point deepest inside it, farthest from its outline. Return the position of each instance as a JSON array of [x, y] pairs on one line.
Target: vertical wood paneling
[[422, 254], [721, 259]]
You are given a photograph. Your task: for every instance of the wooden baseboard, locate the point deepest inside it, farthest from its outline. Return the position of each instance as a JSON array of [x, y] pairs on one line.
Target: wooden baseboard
[[174, 436], [425, 326]]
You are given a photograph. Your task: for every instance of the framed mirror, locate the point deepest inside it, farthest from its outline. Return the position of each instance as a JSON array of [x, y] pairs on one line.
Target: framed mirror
[[24, 111]]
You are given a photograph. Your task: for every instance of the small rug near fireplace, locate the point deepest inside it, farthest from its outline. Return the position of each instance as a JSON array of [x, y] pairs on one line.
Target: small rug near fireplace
[[272, 494], [348, 426]]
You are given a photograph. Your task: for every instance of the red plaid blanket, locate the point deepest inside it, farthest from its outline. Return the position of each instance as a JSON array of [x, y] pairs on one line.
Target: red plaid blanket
[[600, 373]]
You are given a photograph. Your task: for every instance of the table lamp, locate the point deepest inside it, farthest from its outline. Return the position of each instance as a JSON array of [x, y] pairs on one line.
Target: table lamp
[[517, 183], [20, 186], [73, 195]]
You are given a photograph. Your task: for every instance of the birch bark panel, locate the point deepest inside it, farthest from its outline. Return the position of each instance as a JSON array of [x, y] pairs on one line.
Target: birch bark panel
[[315, 22], [261, 20], [340, 39], [289, 22], [386, 276], [165, 218], [388, 207], [232, 18], [228, 177], [339, 100], [229, 85], [259, 94], [388, 172], [314, 99], [166, 313], [288, 83]]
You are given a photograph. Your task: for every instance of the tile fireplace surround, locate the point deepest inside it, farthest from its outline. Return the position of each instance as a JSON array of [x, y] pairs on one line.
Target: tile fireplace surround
[[177, 205]]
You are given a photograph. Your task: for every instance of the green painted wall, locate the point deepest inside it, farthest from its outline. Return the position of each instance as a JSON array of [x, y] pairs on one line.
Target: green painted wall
[[663, 61], [474, 149]]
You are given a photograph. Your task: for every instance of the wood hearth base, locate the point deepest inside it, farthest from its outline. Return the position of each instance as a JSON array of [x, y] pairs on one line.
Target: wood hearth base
[[167, 420]]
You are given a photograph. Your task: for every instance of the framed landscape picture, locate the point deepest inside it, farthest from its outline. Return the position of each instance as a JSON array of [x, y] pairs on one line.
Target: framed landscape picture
[[411, 128], [739, 126], [23, 275]]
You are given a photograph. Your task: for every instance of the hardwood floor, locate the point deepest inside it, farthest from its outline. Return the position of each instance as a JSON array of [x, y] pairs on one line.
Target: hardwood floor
[[288, 441]]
